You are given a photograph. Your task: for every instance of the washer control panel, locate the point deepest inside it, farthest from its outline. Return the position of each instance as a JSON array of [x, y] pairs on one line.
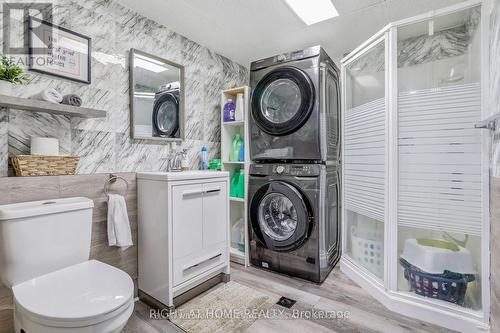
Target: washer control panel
[[279, 169], [295, 170], [298, 170]]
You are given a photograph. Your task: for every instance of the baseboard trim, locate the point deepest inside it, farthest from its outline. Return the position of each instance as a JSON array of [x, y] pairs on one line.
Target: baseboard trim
[[187, 295]]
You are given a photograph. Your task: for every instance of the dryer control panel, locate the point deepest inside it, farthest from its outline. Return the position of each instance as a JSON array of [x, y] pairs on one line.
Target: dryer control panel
[[314, 51]]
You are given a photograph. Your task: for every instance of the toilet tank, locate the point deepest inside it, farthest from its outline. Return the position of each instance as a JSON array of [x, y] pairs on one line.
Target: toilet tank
[[40, 237]]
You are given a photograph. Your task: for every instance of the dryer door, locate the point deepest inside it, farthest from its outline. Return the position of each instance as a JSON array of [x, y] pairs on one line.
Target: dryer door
[[283, 101], [280, 216], [166, 116]]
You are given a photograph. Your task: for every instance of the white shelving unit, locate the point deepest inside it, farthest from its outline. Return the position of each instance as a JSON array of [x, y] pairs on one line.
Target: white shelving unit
[[238, 206]]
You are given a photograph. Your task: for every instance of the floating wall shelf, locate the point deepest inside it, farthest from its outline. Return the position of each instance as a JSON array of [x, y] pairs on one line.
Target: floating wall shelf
[[34, 105]]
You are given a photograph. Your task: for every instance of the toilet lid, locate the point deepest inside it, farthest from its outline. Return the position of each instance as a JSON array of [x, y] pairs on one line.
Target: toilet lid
[[81, 292]]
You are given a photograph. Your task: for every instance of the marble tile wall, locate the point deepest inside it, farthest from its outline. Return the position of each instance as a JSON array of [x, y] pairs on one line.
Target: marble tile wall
[[495, 166], [19, 189], [104, 145], [421, 49]]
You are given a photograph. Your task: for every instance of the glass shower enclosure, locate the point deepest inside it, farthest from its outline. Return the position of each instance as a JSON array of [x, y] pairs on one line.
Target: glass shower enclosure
[[415, 170]]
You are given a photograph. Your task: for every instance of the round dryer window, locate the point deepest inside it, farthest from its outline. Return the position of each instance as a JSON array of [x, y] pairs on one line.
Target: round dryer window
[[283, 101], [166, 115], [280, 101]]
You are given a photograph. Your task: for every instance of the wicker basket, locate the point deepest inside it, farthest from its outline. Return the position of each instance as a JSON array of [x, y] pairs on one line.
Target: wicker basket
[[31, 165]]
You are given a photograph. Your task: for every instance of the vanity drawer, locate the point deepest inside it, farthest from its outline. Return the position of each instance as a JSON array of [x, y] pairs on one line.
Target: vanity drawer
[[193, 265]]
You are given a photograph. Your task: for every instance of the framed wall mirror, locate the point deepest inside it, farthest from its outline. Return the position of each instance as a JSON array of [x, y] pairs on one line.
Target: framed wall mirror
[[156, 98]]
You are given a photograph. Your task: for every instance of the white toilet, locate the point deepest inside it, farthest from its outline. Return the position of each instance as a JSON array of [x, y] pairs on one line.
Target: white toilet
[[44, 258]]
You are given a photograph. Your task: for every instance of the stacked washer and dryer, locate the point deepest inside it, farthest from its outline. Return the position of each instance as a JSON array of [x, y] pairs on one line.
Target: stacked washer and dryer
[[166, 111], [294, 176]]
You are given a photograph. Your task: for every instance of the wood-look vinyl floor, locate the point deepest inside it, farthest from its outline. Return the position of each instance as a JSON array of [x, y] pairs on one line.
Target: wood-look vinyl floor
[[337, 293]]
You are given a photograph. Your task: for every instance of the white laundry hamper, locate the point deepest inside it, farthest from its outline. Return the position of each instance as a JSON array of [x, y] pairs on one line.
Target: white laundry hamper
[[368, 249]]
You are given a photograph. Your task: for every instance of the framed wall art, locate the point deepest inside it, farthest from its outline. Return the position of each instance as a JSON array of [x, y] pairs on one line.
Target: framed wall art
[[58, 51]]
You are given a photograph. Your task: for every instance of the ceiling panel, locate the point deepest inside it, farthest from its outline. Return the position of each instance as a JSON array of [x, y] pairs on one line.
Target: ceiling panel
[[347, 7], [400, 9], [245, 30]]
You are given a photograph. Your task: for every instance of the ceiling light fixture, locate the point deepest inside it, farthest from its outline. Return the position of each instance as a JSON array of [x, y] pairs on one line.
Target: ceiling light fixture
[[149, 64], [144, 95], [313, 11]]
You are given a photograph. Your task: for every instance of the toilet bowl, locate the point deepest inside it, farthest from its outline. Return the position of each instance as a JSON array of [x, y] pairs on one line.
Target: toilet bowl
[[44, 258], [88, 297]]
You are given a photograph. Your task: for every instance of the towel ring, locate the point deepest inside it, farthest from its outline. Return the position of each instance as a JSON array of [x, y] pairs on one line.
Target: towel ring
[[112, 179]]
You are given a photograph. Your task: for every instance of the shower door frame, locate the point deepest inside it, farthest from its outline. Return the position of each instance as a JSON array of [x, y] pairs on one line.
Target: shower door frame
[[386, 290]]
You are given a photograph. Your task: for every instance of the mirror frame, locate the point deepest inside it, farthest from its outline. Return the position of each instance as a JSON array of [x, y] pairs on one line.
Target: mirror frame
[[133, 52]]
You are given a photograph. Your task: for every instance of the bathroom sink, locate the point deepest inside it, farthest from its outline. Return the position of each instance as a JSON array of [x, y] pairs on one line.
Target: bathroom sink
[[183, 175]]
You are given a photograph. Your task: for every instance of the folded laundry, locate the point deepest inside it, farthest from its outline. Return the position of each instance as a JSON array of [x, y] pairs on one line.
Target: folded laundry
[[72, 99], [49, 95]]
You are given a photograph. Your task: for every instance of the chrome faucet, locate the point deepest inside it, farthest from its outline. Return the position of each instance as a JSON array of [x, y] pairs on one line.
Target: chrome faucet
[[174, 161]]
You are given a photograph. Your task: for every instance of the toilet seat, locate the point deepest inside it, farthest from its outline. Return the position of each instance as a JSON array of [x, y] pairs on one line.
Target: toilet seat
[[77, 296]]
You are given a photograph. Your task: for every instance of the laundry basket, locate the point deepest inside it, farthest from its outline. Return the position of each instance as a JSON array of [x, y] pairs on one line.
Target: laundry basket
[[368, 250], [449, 286]]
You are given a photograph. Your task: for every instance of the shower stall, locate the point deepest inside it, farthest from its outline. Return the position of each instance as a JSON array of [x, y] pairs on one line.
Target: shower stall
[[415, 203]]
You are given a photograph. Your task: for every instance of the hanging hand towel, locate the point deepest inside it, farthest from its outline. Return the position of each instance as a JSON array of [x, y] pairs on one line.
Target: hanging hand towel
[[118, 224], [49, 95], [72, 99]]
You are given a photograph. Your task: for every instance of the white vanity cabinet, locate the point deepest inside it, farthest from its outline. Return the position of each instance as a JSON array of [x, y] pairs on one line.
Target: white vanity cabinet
[[183, 231]]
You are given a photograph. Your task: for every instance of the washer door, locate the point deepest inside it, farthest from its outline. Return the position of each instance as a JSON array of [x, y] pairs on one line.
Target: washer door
[[166, 115], [283, 101], [280, 216]]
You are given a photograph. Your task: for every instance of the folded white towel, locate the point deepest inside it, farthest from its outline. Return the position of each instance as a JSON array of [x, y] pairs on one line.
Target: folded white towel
[[118, 224], [49, 95]]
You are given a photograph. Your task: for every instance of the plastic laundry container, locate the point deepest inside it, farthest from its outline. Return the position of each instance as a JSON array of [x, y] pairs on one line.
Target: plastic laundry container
[[436, 260], [449, 286], [441, 271], [368, 250]]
